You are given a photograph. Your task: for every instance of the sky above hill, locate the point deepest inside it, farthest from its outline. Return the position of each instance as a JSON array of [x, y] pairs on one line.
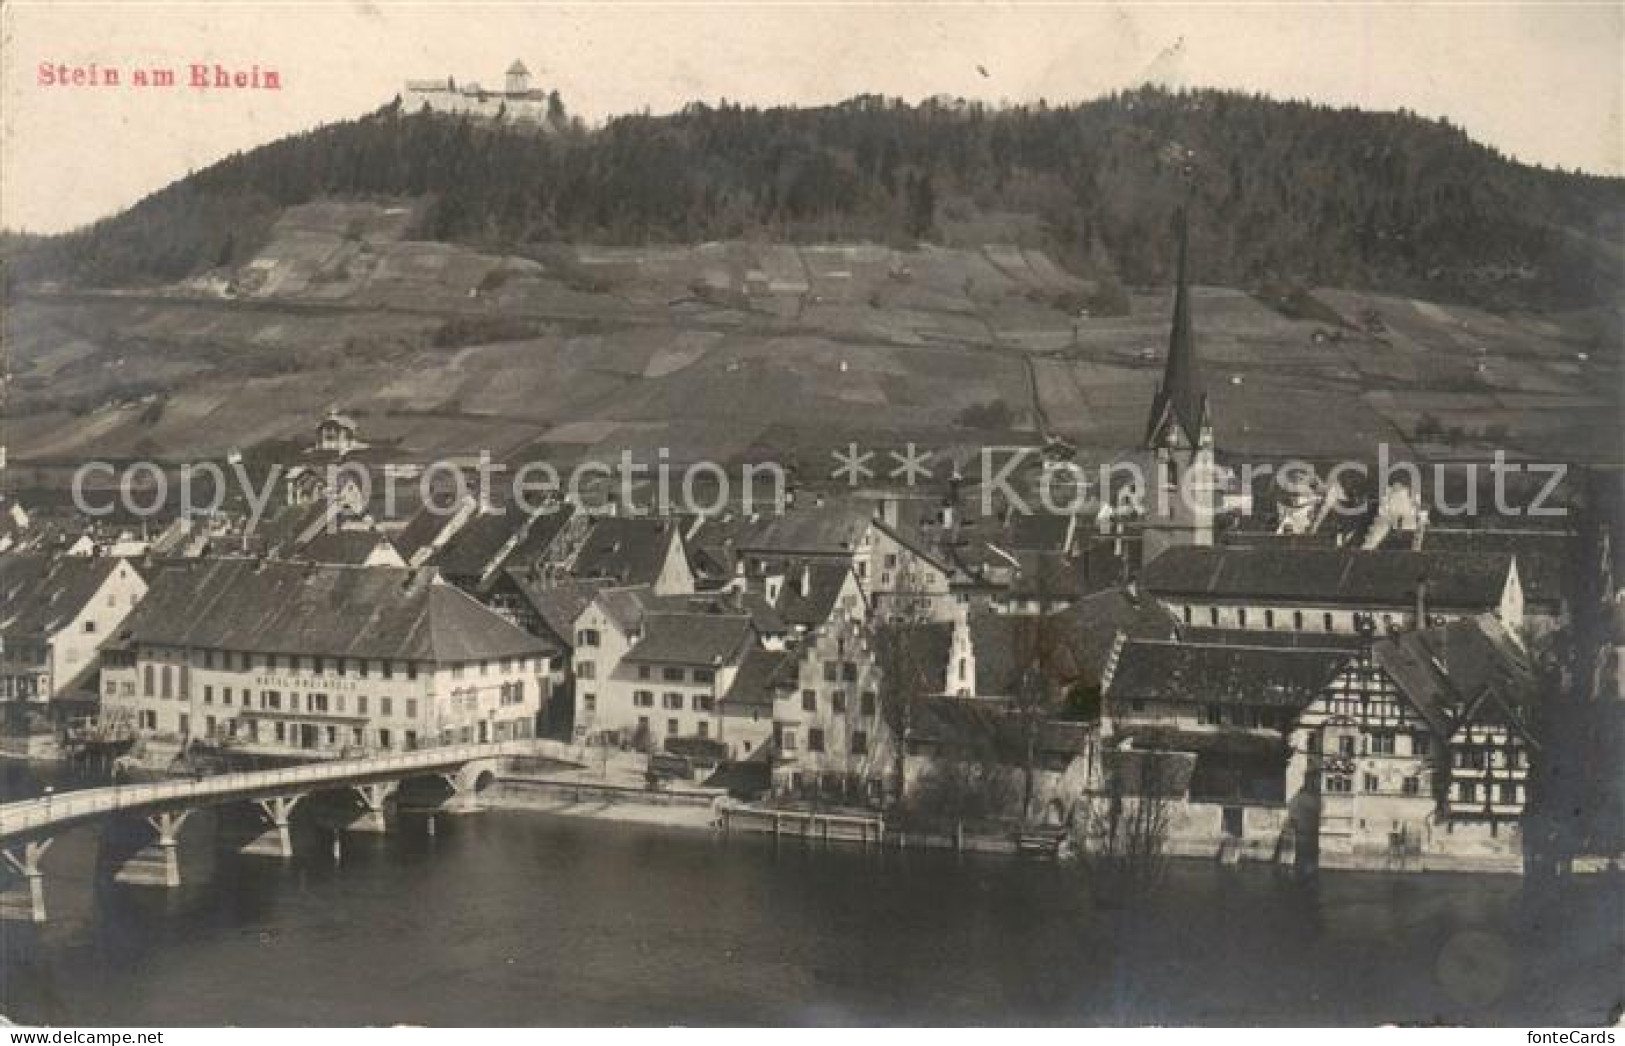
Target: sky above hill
[[1542, 82]]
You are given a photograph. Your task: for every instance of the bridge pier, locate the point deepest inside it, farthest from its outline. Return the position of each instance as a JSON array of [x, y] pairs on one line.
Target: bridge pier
[[370, 818], [157, 863], [25, 901], [274, 838]]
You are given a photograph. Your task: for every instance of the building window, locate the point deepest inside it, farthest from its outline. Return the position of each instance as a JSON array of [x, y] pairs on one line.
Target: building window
[[1327, 619], [225, 695], [1345, 745], [1269, 619], [1213, 616], [671, 728], [1187, 615], [1297, 620], [147, 688], [787, 740], [860, 743], [385, 706], [361, 668], [1382, 743], [672, 675], [586, 670], [643, 671], [701, 702], [411, 670], [1509, 793], [387, 668], [671, 701], [809, 700], [589, 703], [1371, 783], [208, 695], [1421, 744], [1339, 784], [587, 637], [271, 699], [361, 705], [318, 665], [317, 702], [704, 729], [1412, 786], [167, 680], [704, 675], [411, 708], [643, 698], [1466, 792], [815, 740], [837, 700]]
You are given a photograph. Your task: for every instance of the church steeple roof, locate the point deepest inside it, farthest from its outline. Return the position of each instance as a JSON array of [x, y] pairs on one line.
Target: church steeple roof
[[1183, 393]]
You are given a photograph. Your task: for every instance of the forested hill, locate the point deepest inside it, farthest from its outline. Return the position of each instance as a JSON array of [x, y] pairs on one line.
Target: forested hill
[[1281, 193]]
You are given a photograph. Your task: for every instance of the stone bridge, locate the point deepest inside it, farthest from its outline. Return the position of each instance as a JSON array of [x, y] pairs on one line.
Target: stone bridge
[[262, 800]]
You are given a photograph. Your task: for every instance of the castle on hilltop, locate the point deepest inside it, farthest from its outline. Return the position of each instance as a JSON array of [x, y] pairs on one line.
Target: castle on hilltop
[[517, 100]]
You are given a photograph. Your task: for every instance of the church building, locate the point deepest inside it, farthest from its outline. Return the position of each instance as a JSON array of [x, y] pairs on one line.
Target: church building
[[1181, 504]]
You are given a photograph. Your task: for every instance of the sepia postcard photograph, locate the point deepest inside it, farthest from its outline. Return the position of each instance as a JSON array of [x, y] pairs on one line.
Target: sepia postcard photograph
[[722, 515]]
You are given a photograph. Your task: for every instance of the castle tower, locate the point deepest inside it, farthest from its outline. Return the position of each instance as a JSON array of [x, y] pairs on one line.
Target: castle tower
[[1180, 504], [518, 78]]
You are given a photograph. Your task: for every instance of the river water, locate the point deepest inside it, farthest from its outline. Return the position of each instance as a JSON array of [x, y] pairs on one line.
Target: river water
[[519, 918]]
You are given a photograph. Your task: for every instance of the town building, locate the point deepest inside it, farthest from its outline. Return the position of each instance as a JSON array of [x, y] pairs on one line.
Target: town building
[[55, 612], [830, 737], [1294, 588], [516, 100], [1181, 504], [320, 659]]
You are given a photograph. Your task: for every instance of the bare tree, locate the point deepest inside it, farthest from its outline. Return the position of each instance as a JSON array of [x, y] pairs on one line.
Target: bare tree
[[1036, 691], [900, 639], [1120, 831]]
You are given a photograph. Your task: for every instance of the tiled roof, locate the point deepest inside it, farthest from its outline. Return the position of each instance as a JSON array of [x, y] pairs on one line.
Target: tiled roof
[[343, 547], [1545, 558], [420, 531], [1191, 673], [627, 549], [761, 673], [558, 603], [691, 639], [1092, 625], [834, 528], [471, 550], [39, 595], [384, 612], [823, 579], [1379, 577], [537, 536], [1471, 670]]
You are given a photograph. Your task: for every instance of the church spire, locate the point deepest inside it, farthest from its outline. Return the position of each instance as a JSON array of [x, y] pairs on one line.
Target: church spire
[[1182, 393]]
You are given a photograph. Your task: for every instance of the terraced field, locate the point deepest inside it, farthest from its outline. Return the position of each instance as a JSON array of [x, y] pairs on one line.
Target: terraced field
[[735, 350]]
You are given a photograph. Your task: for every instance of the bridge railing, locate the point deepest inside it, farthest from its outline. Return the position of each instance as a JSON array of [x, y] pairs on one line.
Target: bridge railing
[[29, 814]]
